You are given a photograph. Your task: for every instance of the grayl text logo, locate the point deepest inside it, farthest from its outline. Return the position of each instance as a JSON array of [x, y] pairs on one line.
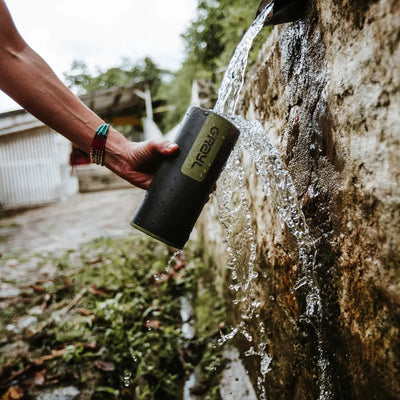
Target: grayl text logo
[[206, 147]]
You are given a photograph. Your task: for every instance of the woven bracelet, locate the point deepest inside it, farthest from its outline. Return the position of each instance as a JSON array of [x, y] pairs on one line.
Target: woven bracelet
[[97, 150]]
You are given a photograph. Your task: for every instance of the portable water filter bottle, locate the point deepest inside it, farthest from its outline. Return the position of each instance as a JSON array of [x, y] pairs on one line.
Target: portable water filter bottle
[[183, 182]]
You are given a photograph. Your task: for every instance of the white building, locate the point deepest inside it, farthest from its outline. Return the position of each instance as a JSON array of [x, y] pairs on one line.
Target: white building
[[34, 162]]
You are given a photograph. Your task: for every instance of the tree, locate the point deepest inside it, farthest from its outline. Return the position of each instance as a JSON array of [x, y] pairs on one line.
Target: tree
[[80, 79], [210, 43]]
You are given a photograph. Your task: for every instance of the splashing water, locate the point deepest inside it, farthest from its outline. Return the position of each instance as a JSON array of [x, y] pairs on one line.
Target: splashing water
[[172, 260], [278, 185], [241, 263], [232, 82], [236, 219], [127, 379]]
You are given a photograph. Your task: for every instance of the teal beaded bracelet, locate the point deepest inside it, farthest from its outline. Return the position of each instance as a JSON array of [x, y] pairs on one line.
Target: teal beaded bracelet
[[97, 150]]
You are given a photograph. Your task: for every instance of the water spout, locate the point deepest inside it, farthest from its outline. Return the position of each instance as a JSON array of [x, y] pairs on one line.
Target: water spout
[[228, 93], [283, 11]]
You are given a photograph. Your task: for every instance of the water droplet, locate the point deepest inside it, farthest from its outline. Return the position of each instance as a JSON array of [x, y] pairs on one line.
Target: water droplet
[[127, 379]]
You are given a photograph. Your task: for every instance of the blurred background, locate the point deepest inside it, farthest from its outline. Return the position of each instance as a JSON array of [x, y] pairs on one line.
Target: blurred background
[[94, 45]]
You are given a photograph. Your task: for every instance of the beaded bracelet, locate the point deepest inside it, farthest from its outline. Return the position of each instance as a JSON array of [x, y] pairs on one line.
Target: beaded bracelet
[[97, 150]]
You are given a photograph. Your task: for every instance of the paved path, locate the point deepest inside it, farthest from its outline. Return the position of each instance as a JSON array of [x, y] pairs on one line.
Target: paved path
[[66, 225], [26, 238]]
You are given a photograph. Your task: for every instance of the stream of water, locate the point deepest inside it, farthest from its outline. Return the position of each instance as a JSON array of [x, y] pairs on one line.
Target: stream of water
[[232, 82], [236, 219]]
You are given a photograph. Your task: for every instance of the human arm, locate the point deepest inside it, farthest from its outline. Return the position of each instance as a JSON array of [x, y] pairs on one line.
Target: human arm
[[26, 77]]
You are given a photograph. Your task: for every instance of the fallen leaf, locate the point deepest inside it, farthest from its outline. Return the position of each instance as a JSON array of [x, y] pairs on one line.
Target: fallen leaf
[[97, 291], [38, 288], [95, 260], [54, 354], [13, 393], [84, 312], [104, 365]]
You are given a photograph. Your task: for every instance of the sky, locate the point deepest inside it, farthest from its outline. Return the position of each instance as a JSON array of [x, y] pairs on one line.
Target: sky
[[101, 33]]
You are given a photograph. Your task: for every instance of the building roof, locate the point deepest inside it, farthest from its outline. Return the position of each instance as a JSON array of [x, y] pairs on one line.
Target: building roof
[[108, 104], [17, 121], [116, 102]]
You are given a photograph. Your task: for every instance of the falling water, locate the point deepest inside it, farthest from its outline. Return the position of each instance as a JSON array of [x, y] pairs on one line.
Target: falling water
[[228, 93], [236, 219]]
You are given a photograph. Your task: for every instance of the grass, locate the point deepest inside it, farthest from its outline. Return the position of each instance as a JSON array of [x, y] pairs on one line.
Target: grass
[[109, 324]]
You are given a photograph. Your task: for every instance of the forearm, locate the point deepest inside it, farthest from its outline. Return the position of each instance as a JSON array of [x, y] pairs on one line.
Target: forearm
[[26, 77], [30, 81]]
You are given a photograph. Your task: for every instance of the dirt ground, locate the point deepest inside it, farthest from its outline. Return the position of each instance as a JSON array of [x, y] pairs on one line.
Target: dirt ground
[[66, 225], [57, 228]]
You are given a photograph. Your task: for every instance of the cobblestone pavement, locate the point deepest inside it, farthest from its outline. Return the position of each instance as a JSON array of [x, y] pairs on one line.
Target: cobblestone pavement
[[59, 227]]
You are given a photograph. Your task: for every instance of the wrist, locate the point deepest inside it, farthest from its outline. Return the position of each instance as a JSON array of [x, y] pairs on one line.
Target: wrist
[[116, 146]]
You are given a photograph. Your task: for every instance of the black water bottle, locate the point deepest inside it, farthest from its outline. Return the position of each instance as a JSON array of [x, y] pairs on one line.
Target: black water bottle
[[182, 184]]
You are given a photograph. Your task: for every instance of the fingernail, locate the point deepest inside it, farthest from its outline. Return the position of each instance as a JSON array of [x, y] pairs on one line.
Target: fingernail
[[172, 146]]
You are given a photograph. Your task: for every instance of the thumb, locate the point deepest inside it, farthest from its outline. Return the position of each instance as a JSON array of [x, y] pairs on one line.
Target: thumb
[[145, 152], [152, 148], [167, 147]]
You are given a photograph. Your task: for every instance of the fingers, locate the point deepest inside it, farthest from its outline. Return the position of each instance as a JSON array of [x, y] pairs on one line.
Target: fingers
[[164, 147], [142, 160], [169, 148]]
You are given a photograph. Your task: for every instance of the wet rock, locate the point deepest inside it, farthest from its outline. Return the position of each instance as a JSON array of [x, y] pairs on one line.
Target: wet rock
[[327, 89]]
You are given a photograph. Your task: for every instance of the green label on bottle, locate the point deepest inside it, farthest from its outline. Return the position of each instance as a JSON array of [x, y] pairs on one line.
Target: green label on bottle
[[205, 147]]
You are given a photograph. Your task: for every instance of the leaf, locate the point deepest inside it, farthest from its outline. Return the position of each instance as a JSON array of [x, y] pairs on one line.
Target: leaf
[[97, 291], [38, 288], [104, 365], [13, 393], [95, 260], [107, 389], [84, 312], [54, 354]]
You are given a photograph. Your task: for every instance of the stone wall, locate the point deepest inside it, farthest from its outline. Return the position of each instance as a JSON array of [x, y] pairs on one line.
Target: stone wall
[[327, 90]]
